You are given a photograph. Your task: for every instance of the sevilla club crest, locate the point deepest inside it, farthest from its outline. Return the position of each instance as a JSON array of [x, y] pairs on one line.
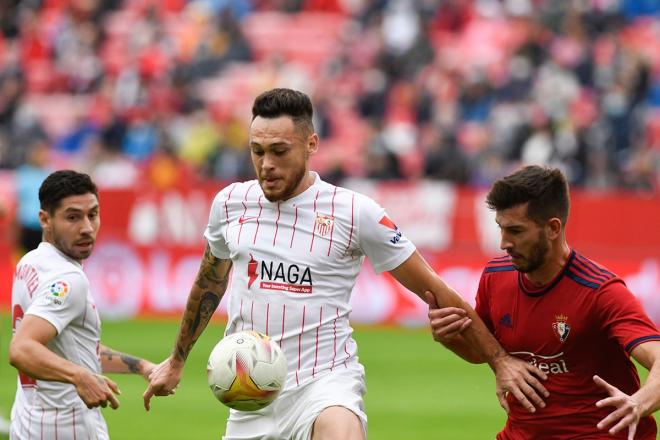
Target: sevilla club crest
[[561, 327], [324, 224]]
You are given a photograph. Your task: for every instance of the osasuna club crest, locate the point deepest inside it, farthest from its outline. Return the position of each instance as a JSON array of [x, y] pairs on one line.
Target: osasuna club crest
[[561, 327]]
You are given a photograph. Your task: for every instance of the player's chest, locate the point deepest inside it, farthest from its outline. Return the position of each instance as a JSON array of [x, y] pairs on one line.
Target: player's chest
[[543, 325], [302, 232]]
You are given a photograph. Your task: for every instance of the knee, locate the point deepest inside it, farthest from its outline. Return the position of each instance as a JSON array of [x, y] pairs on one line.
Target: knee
[[337, 422]]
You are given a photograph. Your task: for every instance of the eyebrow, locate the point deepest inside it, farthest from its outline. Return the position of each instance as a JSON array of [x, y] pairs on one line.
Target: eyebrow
[[273, 145], [72, 209]]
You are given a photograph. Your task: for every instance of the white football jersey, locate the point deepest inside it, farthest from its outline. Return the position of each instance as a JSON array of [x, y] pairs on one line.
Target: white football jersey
[[52, 286], [294, 266]]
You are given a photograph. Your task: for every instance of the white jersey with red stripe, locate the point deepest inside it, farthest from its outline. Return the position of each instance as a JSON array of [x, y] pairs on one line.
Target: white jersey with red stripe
[[295, 263], [52, 286]]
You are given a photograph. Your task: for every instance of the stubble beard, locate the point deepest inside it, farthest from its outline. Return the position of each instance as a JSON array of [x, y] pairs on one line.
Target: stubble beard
[[288, 190], [536, 257], [67, 250]]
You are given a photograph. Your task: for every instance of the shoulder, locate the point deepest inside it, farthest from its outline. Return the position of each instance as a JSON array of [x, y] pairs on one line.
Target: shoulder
[[64, 287], [590, 274], [342, 197], [232, 197], [499, 264], [48, 262], [70, 278], [235, 191]]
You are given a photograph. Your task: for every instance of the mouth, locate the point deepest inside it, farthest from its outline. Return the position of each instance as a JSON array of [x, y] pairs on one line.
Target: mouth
[[270, 182], [84, 245]]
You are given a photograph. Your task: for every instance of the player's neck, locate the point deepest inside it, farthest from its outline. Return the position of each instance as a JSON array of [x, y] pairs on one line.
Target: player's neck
[[307, 181], [557, 258]]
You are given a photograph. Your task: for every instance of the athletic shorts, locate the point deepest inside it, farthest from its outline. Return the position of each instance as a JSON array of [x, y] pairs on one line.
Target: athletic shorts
[[66, 423], [291, 416]]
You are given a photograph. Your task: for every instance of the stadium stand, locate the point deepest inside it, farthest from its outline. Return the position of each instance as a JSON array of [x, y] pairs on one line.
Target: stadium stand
[[455, 90]]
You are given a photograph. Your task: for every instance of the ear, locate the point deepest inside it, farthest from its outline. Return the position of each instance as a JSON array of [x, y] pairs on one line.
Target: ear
[[554, 228], [312, 144], [44, 219]]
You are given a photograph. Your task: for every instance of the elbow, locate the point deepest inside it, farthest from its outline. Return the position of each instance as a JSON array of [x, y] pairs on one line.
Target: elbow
[[17, 354]]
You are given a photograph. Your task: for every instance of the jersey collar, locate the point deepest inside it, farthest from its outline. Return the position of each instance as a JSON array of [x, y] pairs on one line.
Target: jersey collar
[[532, 290]]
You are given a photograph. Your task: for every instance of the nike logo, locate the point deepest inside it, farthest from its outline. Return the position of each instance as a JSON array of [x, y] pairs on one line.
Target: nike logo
[[244, 219]]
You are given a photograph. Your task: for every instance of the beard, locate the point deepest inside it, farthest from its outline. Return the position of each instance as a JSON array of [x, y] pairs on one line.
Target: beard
[[289, 187], [536, 256], [68, 249]]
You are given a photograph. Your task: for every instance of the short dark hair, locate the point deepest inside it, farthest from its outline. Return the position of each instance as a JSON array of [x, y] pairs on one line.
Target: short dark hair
[[285, 102], [544, 189], [61, 184]]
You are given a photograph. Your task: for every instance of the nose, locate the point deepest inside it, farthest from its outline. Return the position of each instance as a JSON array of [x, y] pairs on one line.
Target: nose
[[505, 243], [87, 226], [267, 162]]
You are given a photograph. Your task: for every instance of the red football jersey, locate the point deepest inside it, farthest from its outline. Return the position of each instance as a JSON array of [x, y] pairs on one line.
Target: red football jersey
[[584, 322]]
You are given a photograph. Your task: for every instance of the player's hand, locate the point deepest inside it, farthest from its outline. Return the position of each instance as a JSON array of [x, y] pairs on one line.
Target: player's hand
[[520, 378], [146, 368], [626, 414], [96, 390], [446, 323], [163, 380]]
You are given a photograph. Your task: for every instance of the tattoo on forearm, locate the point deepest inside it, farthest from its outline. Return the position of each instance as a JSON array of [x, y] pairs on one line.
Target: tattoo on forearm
[[207, 306], [207, 275], [209, 286], [132, 363]]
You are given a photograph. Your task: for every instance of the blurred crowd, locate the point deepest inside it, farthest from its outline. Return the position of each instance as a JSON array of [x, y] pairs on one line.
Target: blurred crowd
[[160, 91]]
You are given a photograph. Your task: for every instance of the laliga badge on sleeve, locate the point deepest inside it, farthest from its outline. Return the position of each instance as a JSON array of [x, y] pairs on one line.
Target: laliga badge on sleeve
[[58, 291]]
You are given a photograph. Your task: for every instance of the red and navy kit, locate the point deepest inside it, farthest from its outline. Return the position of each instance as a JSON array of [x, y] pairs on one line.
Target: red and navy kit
[[584, 322]]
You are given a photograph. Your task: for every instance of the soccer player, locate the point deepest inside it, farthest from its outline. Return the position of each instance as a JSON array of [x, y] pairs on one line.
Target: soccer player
[[56, 347], [294, 245], [562, 312]]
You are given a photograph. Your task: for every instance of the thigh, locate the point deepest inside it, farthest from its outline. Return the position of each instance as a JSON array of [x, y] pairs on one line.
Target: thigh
[[338, 422], [67, 423], [251, 425], [341, 388]]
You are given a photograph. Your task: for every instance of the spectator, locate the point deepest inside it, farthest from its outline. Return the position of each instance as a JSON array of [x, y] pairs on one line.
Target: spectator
[[29, 178]]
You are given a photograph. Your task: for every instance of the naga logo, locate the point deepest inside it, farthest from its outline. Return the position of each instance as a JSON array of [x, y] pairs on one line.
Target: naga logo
[[279, 276], [554, 364]]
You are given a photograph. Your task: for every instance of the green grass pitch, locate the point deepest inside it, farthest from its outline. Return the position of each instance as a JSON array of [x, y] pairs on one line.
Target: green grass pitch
[[415, 388]]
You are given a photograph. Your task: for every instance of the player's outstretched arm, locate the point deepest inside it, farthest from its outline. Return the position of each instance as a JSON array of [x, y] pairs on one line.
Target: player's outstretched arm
[[629, 409], [512, 375], [28, 352], [203, 300], [113, 361], [447, 325]]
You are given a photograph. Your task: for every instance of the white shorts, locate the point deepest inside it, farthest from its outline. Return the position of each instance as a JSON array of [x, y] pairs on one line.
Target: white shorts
[[66, 423], [292, 415]]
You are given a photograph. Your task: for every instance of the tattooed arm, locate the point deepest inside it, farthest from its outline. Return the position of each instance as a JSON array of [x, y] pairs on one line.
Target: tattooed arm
[[204, 298], [116, 362]]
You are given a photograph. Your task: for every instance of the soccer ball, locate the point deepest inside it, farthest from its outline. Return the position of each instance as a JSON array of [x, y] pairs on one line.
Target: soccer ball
[[246, 370]]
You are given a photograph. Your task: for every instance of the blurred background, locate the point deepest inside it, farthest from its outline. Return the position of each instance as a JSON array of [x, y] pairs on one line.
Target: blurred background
[[419, 104]]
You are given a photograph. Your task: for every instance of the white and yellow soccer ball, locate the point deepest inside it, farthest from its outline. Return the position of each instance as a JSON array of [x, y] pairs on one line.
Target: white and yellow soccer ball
[[246, 370]]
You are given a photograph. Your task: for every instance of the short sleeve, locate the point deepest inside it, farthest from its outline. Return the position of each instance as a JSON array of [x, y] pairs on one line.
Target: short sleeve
[[217, 225], [622, 316], [482, 306], [380, 239], [61, 299]]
